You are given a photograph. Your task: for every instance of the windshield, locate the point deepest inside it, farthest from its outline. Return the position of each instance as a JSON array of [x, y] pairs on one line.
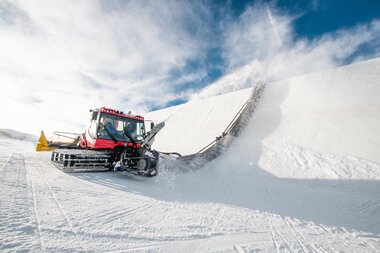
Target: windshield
[[116, 125]]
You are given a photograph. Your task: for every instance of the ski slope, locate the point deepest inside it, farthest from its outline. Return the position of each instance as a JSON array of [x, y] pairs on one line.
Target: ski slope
[[302, 177]]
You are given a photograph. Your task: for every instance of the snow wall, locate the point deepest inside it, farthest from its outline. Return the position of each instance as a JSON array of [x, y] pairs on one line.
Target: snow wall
[[332, 115], [192, 126]]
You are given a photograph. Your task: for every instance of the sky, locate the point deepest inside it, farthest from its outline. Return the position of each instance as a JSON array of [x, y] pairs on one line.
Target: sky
[[58, 59]]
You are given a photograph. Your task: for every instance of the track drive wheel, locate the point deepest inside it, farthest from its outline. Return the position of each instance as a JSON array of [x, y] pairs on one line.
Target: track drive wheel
[[146, 167]]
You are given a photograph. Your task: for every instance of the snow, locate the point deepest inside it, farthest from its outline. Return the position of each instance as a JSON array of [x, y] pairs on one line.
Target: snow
[[336, 112], [302, 177], [12, 134], [194, 125]]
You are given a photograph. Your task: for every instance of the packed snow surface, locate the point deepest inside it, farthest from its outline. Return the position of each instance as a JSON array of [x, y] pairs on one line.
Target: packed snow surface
[[12, 134], [191, 127], [302, 177]]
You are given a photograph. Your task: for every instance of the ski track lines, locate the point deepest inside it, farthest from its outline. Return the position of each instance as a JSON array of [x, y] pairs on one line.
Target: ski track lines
[[52, 219], [59, 227], [283, 243], [5, 161], [117, 226], [17, 218], [59, 232], [67, 213], [310, 237]]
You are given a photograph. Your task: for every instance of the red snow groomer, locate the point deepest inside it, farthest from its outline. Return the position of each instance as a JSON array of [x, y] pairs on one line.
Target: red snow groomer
[[113, 140]]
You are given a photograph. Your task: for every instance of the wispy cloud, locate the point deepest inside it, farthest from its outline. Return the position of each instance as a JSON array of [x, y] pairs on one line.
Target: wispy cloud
[[262, 45], [71, 56]]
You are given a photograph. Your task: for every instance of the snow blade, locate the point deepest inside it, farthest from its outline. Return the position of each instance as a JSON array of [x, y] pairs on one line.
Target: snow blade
[[42, 144], [58, 140]]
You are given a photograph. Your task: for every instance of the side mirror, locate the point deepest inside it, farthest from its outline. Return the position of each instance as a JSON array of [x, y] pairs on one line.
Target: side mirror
[[151, 125], [139, 138], [94, 115]]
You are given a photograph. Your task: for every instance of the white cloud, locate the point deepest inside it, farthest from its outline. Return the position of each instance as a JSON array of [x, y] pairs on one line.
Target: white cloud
[[261, 45], [60, 58]]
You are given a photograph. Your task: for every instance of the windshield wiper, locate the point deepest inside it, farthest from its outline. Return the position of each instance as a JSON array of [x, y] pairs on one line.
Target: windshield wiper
[[110, 133], [128, 135]]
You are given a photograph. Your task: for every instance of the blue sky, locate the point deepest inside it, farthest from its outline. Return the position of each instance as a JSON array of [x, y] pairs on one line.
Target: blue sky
[[60, 58], [309, 19], [320, 16]]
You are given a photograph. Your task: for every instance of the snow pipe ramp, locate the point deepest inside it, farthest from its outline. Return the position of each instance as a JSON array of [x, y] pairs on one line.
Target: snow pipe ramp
[[205, 128], [232, 131]]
